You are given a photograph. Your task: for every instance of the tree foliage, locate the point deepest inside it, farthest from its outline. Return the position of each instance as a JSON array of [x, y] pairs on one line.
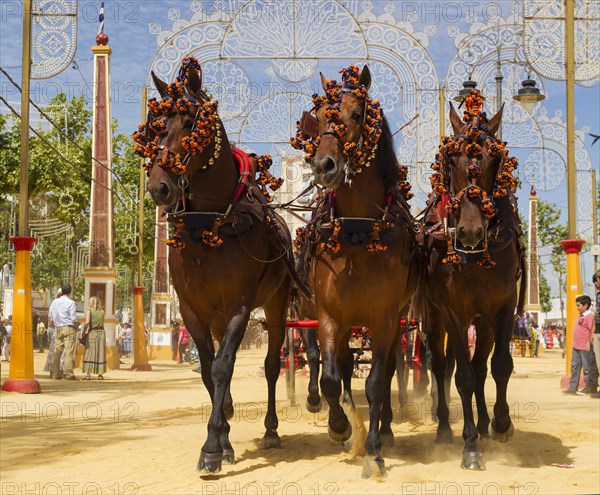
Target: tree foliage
[[550, 233]]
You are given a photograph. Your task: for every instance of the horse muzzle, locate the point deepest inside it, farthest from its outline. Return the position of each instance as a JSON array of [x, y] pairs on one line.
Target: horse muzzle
[[327, 171], [470, 238], [163, 193]]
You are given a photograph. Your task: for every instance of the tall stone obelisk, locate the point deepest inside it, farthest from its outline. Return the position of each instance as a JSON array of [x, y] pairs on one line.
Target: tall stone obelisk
[[532, 301], [100, 275], [161, 300]]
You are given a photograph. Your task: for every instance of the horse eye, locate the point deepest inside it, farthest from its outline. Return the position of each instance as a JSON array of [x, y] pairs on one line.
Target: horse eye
[[356, 116], [188, 124]]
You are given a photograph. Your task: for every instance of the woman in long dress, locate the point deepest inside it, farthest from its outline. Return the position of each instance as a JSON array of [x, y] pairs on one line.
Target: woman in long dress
[[94, 358]]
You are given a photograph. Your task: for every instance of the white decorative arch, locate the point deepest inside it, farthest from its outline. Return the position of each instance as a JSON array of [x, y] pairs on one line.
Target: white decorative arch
[[288, 44]]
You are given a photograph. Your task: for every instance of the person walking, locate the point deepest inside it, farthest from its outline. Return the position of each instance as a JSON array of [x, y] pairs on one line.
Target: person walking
[[63, 317], [581, 355], [41, 334], [182, 342], [51, 339], [94, 358], [6, 339], [126, 334]]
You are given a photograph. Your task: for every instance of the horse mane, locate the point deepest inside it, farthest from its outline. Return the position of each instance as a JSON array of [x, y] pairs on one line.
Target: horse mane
[[386, 156]]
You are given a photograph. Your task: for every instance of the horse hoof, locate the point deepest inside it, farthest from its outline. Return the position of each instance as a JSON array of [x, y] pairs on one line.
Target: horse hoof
[[340, 437], [228, 456], [373, 466], [473, 461], [314, 407], [210, 463], [272, 441], [444, 436], [387, 439], [228, 411], [502, 436]]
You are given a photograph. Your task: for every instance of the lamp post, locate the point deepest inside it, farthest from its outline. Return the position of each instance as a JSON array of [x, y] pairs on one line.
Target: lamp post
[[572, 246], [20, 376]]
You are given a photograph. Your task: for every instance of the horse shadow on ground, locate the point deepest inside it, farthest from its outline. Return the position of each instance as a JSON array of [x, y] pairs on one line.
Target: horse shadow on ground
[[526, 450], [295, 448]]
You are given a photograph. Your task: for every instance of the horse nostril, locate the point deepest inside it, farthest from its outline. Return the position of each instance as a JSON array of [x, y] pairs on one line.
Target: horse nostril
[[461, 232], [164, 190], [328, 165], [479, 234]]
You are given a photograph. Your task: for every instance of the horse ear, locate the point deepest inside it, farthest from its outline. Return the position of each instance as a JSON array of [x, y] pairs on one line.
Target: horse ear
[[193, 83], [161, 86], [323, 82], [457, 124], [365, 77], [494, 123]]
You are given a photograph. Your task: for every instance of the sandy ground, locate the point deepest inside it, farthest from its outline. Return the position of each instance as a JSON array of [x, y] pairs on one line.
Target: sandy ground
[[141, 432]]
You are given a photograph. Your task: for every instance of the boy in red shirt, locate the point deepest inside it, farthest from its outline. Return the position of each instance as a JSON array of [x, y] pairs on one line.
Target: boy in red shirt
[[582, 355]]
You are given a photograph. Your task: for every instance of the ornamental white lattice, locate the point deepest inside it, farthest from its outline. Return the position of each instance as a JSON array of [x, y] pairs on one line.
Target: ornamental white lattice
[[544, 42], [273, 52], [54, 37]]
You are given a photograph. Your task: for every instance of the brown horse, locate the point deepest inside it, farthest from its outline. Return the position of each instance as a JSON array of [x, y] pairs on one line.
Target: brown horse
[[475, 259], [359, 246], [230, 252]]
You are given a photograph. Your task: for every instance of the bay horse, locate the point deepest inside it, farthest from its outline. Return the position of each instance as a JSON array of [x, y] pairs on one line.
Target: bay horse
[[359, 246], [230, 252], [473, 241]]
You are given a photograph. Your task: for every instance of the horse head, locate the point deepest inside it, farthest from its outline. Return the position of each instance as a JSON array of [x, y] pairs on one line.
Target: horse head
[[182, 134], [471, 170], [348, 127]]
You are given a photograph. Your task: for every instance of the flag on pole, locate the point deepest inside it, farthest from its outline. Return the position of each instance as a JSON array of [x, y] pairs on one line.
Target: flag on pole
[[101, 18]]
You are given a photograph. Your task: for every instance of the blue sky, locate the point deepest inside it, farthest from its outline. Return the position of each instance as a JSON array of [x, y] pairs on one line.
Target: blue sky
[[127, 25]]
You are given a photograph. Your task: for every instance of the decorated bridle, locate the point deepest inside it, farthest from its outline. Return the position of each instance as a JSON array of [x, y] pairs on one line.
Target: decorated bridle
[[206, 129], [359, 153], [476, 132]]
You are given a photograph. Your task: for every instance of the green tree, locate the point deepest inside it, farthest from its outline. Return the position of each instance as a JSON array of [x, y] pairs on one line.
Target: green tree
[[551, 233], [545, 297]]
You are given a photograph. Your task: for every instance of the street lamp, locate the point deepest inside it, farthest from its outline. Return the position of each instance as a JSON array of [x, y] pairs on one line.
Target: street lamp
[[468, 85], [529, 96]]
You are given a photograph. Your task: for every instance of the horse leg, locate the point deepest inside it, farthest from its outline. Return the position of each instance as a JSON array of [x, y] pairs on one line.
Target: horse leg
[[400, 374], [346, 366], [275, 313], [421, 387], [211, 455], [450, 365], [218, 329], [385, 431], [465, 383], [479, 362], [339, 428], [438, 367], [502, 366], [313, 401], [375, 388], [203, 338]]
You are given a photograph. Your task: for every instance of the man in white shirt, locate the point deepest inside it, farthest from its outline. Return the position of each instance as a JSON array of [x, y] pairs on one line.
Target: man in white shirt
[[62, 314]]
